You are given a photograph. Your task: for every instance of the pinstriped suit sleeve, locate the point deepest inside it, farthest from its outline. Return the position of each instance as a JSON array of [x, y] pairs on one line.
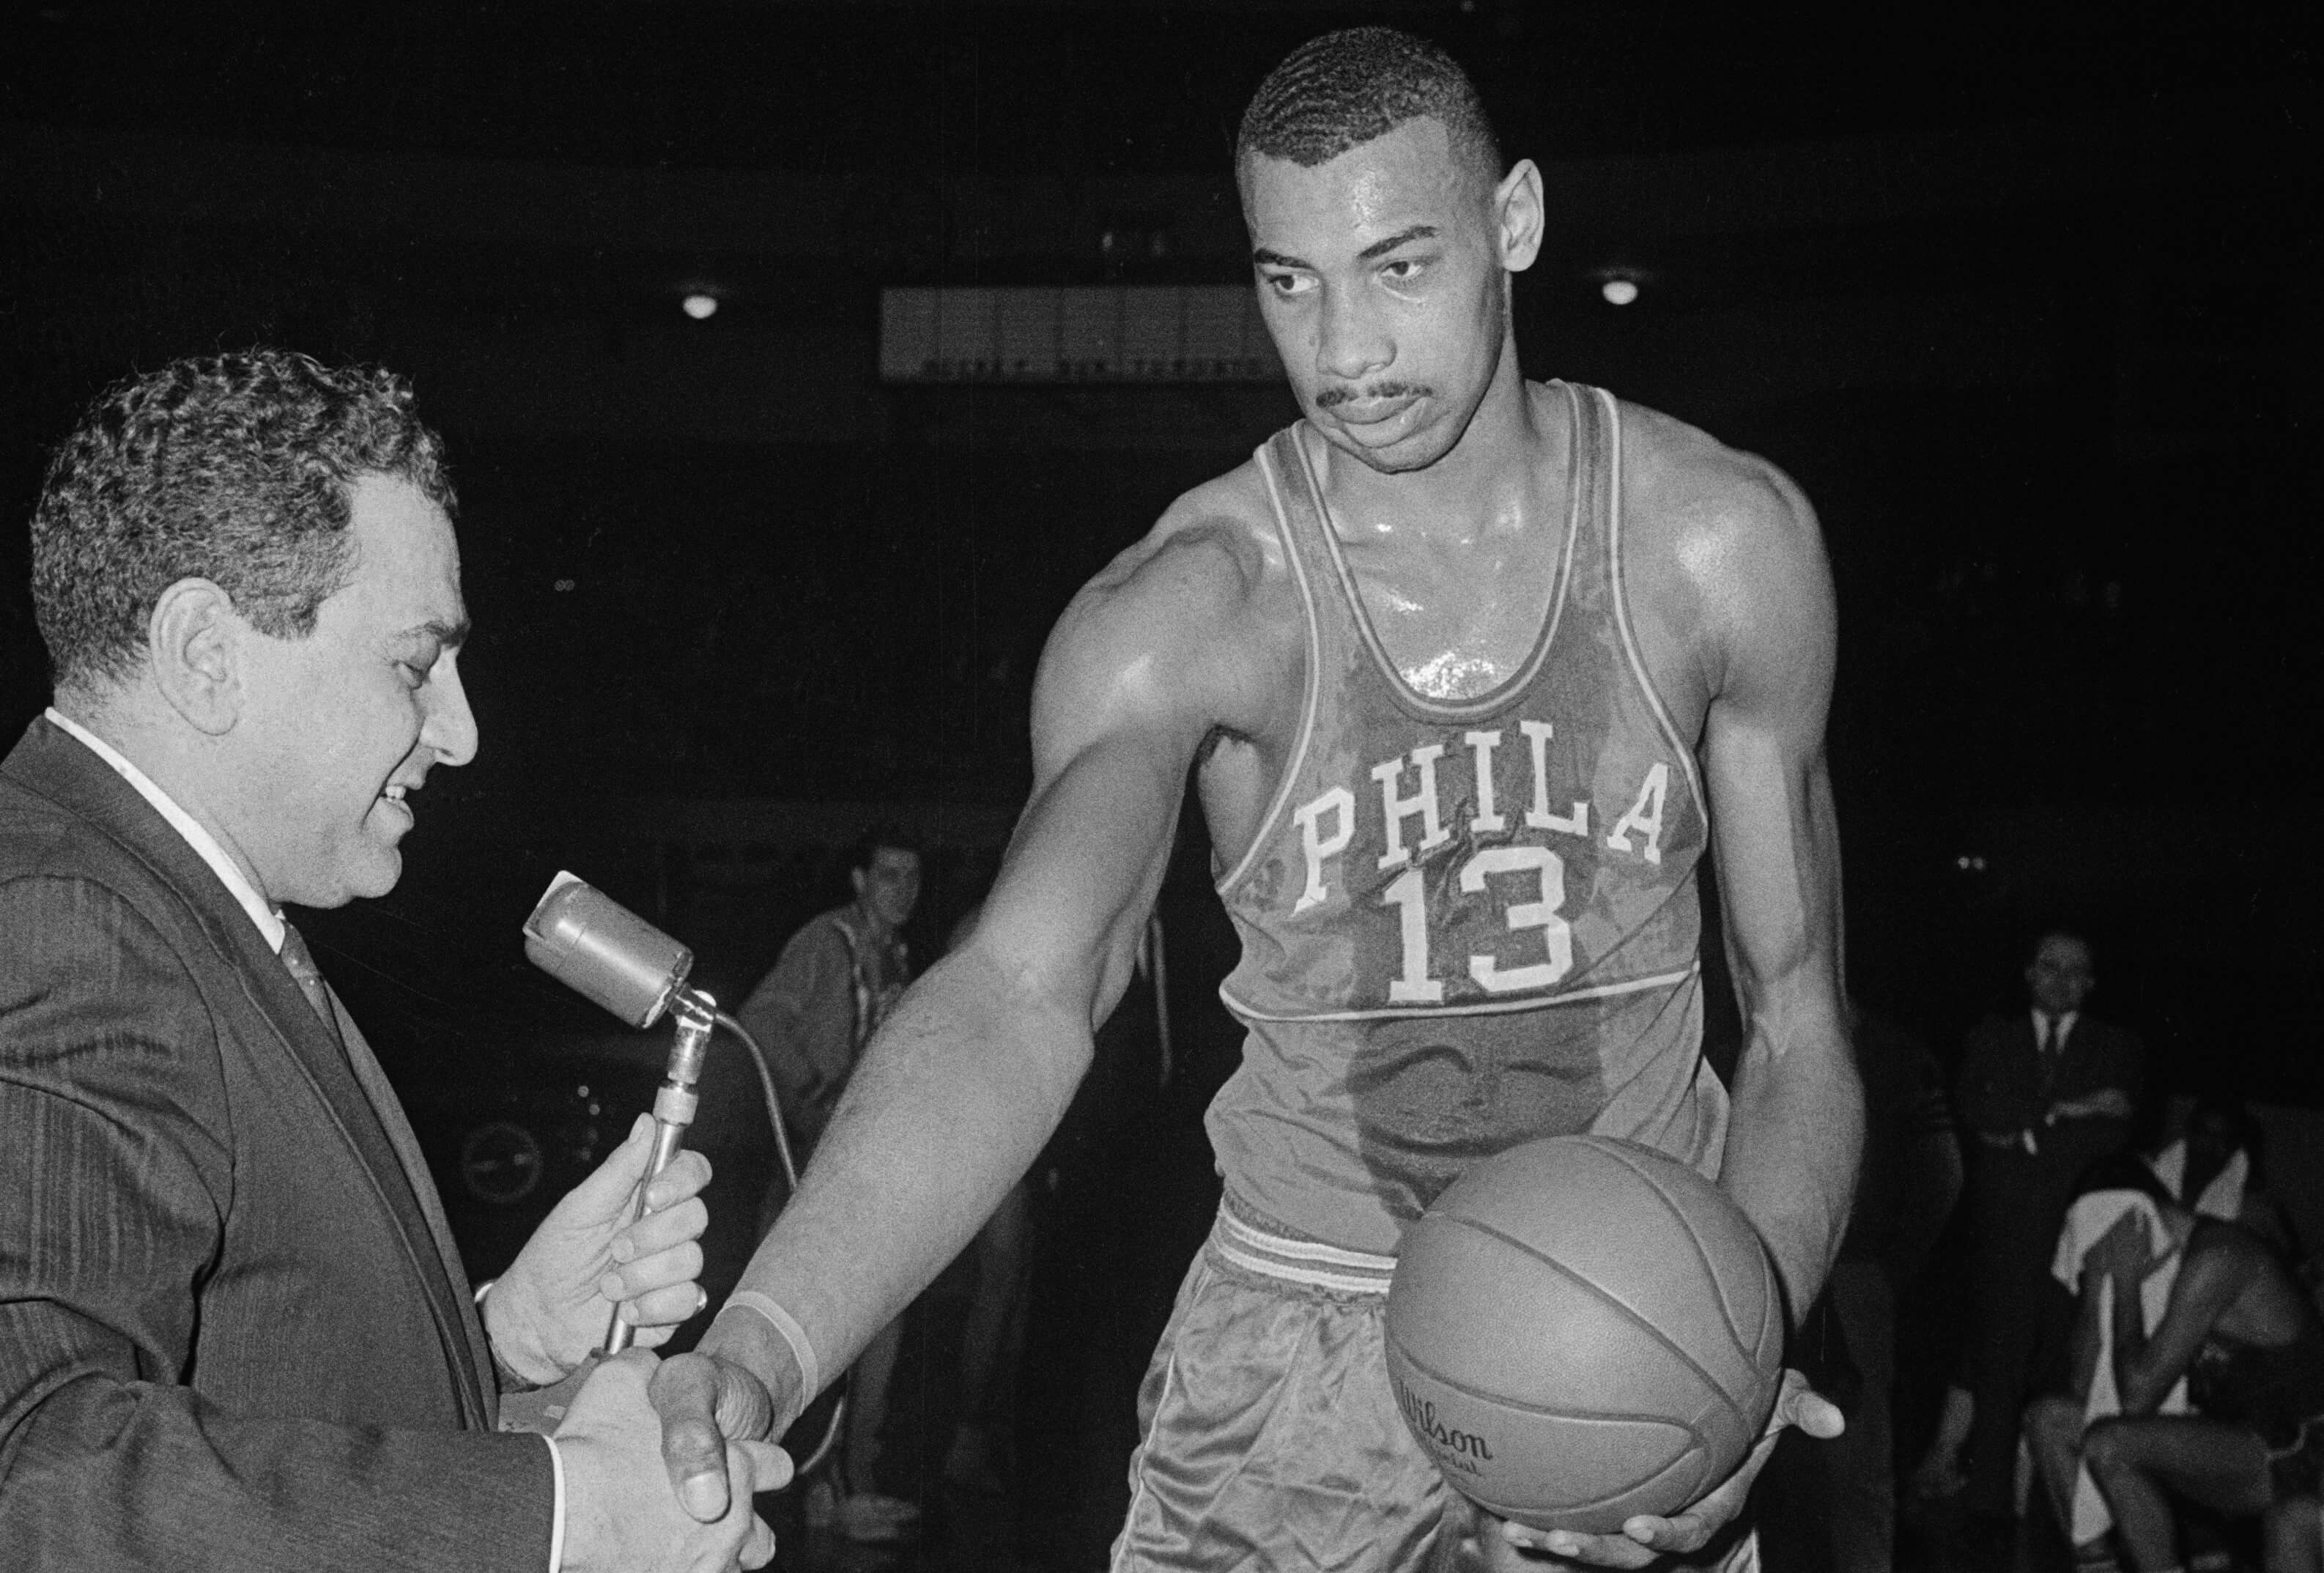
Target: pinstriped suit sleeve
[[115, 1179]]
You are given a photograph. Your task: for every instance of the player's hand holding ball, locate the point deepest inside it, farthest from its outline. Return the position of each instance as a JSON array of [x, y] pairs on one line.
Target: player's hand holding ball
[[1587, 1336]]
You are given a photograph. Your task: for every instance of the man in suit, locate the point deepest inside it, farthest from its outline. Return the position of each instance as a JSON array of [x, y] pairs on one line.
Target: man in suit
[[234, 1331], [2042, 1095]]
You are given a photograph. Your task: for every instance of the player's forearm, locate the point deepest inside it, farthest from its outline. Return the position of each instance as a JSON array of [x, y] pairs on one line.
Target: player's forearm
[[1792, 1149], [951, 1104]]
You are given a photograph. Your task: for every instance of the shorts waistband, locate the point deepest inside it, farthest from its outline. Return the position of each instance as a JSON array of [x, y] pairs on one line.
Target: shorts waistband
[[1309, 1263]]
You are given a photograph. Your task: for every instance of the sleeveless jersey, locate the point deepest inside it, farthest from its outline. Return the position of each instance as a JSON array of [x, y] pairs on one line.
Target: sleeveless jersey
[[1465, 923]]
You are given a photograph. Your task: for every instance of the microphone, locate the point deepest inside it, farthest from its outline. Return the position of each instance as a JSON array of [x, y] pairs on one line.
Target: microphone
[[605, 953], [600, 949]]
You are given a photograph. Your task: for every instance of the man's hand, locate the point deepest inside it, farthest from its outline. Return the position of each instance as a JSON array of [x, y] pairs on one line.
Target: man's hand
[[551, 1308], [619, 1517], [707, 1402], [1645, 1537]]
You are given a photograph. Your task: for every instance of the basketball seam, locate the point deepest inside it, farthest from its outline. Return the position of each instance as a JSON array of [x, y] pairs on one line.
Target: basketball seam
[[1702, 1253], [1694, 1433], [1649, 1329]]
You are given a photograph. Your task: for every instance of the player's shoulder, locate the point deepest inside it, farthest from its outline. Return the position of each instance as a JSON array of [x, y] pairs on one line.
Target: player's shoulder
[[1198, 574], [1721, 541], [1190, 626], [1679, 479]]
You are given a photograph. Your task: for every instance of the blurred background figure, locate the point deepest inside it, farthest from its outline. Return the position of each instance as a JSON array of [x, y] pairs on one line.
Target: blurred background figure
[[2041, 1095], [2197, 1377], [832, 985], [2216, 1169]]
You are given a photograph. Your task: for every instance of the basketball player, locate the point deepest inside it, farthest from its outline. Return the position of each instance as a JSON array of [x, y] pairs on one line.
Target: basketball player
[[1467, 667]]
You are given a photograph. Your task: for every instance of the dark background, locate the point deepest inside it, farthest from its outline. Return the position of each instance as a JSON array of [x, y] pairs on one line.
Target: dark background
[[2024, 296]]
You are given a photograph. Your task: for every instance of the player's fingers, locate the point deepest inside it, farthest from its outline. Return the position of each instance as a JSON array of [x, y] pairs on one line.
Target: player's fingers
[[683, 1391], [1585, 1550], [1812, 1411]]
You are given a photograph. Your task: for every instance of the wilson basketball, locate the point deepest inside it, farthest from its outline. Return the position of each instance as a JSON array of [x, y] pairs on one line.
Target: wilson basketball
[[1581, 1330]]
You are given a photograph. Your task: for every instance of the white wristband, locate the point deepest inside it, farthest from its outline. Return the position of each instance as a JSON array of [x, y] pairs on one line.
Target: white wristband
[[783, 1322]]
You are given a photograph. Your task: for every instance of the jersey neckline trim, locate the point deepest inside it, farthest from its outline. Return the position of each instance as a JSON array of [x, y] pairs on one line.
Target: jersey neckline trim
[[1419, 706]]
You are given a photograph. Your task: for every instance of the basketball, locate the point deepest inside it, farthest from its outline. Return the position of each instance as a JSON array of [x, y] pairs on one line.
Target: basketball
[[1581, 1330]]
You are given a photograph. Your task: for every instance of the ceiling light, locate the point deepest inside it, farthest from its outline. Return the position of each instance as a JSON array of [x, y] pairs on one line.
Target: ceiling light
[[700, 306], [1619, 291]]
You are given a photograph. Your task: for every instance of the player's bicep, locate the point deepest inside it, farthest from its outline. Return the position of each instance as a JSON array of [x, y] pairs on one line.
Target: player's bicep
[[1121, 704], [1778, 843]]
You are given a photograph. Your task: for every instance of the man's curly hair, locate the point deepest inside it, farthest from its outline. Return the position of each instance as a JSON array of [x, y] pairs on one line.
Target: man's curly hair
[[235, 468], [1343, 89]]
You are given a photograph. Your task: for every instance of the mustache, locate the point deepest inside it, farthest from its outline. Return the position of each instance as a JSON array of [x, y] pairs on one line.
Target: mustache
[[1330, 397]]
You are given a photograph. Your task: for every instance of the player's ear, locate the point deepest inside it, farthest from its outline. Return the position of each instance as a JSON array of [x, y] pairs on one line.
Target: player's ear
[[1519, 216], [193, 645]]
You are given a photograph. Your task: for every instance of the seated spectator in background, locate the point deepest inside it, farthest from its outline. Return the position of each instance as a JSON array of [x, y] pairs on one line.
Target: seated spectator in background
[[2215, 1170], [2041, 1096], [2197, 1370]]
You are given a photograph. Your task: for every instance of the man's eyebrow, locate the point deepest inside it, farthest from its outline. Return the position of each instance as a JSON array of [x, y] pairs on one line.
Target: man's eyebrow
[[1380, 248], [451, 635], [1268, 259]]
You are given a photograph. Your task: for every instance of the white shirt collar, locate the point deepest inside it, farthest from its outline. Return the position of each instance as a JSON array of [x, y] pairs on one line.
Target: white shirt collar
[[2065, 1022], [269, 920]]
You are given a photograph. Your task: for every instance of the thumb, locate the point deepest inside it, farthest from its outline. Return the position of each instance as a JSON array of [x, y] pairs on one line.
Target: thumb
[[683, 1393], [608, 1188]]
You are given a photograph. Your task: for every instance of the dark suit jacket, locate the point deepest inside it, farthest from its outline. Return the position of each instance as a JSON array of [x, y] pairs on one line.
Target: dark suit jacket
[[2005, 1088], [234, 1332]]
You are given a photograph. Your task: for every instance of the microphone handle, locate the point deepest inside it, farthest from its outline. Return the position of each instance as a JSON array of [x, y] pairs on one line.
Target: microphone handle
[[669, 1135]]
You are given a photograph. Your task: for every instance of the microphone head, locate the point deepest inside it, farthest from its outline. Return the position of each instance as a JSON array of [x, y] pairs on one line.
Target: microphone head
[[595, 946]]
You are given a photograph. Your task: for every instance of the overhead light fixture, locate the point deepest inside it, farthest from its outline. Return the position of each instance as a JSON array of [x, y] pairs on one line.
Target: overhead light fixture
[[1620, 291], [700, 305]]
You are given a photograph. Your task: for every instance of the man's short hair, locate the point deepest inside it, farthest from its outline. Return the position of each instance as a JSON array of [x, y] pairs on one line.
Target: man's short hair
[[235, 468], [2043, 936], [1343, 89], [866, 847]]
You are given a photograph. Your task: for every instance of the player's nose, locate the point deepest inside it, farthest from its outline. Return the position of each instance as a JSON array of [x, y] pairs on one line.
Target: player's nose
[[1351, 343]]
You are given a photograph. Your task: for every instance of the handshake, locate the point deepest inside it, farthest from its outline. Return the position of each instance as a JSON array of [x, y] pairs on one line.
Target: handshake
[[633, 1500]]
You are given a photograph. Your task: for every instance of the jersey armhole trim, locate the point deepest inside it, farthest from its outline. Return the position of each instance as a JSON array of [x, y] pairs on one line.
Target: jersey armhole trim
[[1289, 781], [1622, 624]]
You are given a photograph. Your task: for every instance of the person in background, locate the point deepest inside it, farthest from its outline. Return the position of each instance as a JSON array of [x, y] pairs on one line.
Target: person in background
[[2197, 1373], [2042, 1095]]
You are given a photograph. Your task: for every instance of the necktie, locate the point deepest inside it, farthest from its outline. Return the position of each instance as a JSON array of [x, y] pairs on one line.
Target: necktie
[[2049, 1037], [299, 962]]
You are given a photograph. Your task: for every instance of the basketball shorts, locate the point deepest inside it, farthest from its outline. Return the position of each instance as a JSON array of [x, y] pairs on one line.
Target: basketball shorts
[[1269, 1437]]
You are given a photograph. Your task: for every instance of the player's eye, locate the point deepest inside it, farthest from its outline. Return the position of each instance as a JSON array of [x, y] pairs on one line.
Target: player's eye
[[1290, 283]]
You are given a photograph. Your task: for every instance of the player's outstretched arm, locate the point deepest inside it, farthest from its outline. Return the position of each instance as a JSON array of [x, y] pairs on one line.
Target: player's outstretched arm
[[1764, 594], [972, 1071]]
